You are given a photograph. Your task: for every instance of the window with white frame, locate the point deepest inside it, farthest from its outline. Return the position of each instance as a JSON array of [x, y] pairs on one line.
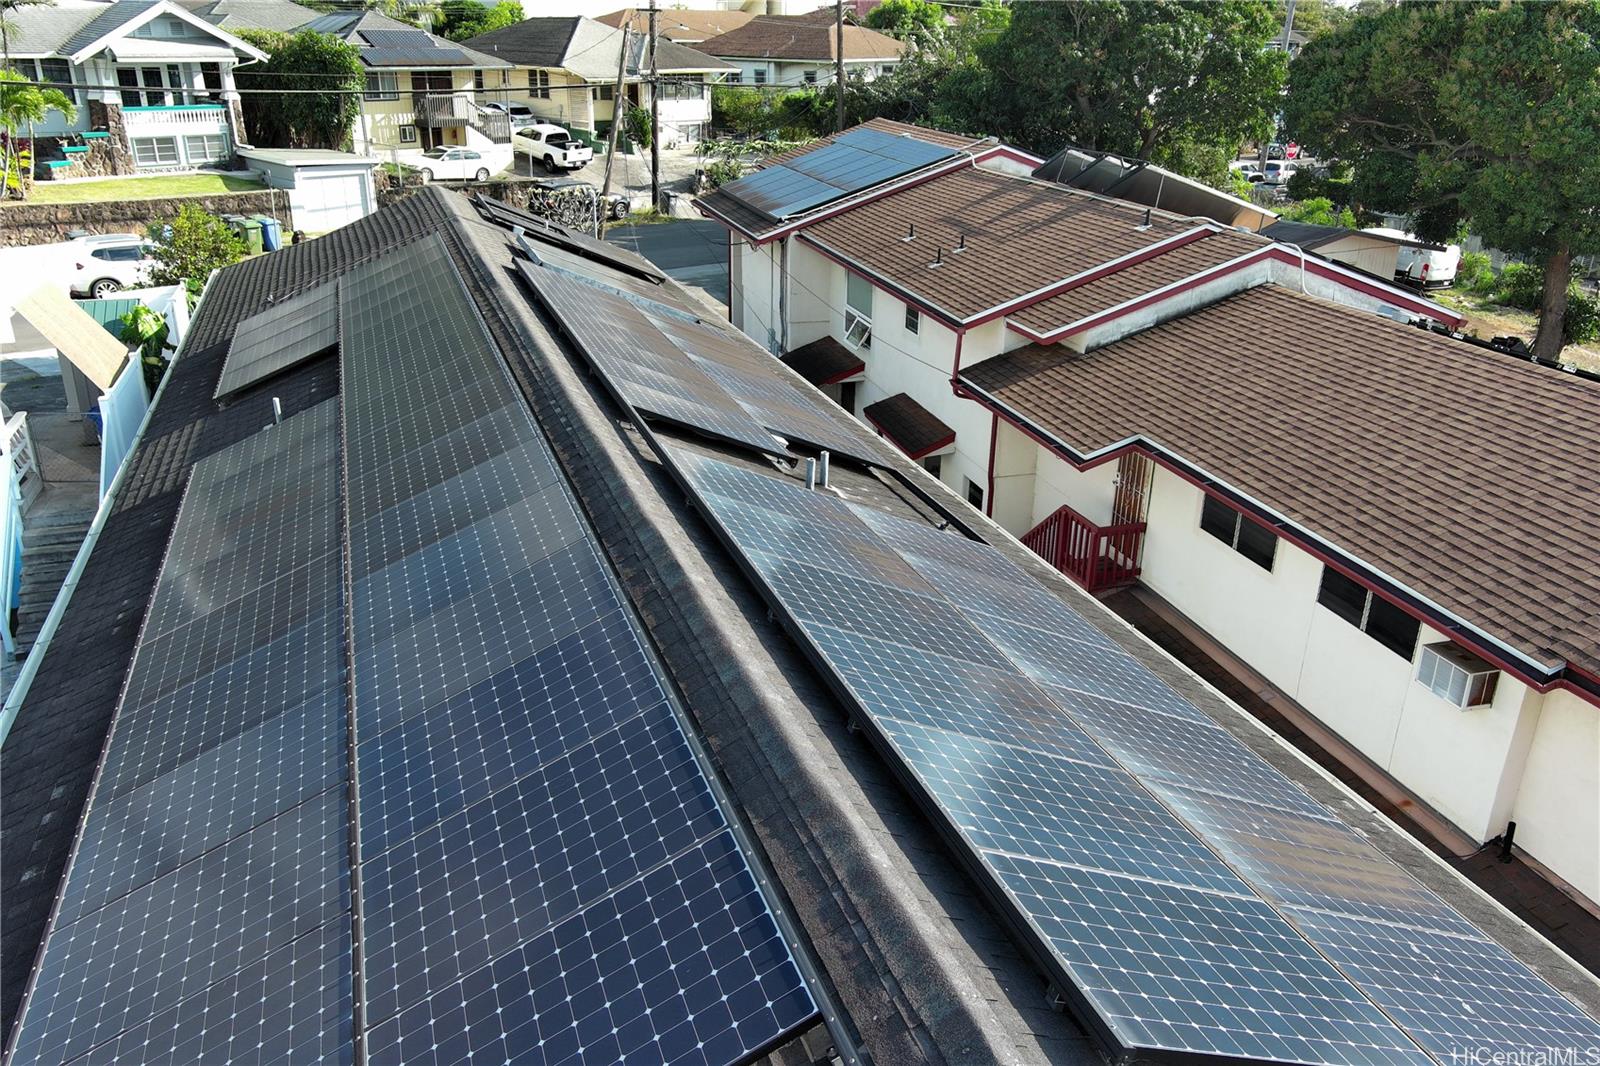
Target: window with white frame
[[477, 80], [1457, 676], [539, 84], [155, 151], [1243, 534], [383, 85], [811, 77], [1373, 615], [857, 311], [913, 319], [408, 135], [205, 148], [760, 76]]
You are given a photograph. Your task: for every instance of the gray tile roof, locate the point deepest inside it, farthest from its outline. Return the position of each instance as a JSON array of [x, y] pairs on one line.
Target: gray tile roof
[[41, 30], [113, 17], [252, 14]]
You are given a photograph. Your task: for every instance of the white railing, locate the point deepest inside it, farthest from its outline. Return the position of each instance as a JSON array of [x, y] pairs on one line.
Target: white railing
[[121, 412], [183, 118], [11, 523], [16, 447]]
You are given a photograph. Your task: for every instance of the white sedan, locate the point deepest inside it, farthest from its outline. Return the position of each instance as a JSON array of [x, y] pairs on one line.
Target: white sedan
[[449, 163]]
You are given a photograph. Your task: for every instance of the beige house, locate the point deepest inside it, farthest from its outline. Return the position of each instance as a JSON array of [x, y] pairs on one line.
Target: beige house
[[422, 90]]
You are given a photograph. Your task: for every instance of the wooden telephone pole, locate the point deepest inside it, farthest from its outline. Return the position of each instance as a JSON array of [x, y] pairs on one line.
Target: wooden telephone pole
[[838, 59], [616, 121]]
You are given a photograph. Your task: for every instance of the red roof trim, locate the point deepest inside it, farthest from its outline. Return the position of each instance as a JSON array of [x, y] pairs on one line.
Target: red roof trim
[[943, 442]]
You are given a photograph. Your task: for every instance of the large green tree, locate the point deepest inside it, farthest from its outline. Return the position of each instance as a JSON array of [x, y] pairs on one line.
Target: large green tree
[[306, 95], [1477, 112], [941, 58], [1179, 82], [898, 18], [460, 19]]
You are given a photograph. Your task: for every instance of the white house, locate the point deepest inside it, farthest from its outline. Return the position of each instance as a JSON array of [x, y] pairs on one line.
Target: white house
[[153, 84], [1392, 528], [802, 50]]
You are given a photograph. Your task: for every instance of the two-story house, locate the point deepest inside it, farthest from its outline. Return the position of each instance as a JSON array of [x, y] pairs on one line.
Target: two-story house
[[1389, 529], [802, 50], [152, 81], [422, 90], [566, 72]]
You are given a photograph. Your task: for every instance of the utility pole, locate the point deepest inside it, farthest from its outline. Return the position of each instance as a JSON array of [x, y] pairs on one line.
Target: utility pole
[[616, 117], [655, 117], [1288, 27], [838, 59]]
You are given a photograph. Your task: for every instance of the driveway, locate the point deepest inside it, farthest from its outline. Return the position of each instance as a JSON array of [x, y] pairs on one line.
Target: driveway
[[693, 252], [630, 174]]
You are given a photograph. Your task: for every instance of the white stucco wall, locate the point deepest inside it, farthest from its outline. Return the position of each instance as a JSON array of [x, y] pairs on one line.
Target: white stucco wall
[[1557, 808]]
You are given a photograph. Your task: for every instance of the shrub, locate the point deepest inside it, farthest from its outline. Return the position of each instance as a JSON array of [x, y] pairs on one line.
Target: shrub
[[1521, 285], [1582, 323], [1474, 272], [191, 247]]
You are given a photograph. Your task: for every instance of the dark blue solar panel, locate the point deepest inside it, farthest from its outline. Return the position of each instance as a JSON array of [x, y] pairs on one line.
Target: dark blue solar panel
[[520, 769], [1105, 804], [683, 966], [855, 160]]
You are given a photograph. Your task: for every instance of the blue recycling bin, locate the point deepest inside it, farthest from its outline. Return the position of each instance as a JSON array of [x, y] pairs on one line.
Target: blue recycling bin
[[271, 233]]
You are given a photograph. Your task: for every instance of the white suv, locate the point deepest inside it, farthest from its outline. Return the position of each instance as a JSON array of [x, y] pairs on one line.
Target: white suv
[[104, 264], [450, 163]]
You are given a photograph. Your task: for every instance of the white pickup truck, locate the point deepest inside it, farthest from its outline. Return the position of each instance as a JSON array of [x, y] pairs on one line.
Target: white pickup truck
[[552, 146]]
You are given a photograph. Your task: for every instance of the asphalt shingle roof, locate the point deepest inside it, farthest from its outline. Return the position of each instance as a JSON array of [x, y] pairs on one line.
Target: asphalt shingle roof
[[114, 16], [800, 37]]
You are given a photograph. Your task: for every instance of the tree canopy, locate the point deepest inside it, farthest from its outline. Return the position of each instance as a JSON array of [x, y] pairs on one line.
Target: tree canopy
[[899, 17], [1482, 113], [191, 246], [461, 19], [313, 84]]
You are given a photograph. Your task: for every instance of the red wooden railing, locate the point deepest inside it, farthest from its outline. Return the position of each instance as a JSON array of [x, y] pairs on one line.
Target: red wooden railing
[[1096, 557]]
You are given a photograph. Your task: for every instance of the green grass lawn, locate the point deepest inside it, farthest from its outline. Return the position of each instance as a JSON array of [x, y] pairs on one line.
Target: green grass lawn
[[83, 192]]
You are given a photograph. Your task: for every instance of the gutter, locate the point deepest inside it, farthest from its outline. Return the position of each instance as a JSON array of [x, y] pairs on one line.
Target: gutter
[[58, 609]]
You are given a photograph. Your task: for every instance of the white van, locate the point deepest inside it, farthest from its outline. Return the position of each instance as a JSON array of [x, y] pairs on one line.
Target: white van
[[1420, 263]]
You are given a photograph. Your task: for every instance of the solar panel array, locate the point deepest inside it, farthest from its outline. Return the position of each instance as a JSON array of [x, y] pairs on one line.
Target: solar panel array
[[856, 160], [280, 337], [555, 233], [1196, 899], [546, 873], [668, 364], [205, 915]]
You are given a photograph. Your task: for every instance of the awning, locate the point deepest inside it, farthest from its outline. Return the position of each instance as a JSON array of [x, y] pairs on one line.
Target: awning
[[75, 334], [911, 426], [824, 362]]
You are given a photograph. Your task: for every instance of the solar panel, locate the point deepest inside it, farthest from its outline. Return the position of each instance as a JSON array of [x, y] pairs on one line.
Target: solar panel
[[643, 367], [855, 160], [1168, 869], [531, 810], [547, 231], [280, 337], [214, 850], [413, 57], [646, 295]]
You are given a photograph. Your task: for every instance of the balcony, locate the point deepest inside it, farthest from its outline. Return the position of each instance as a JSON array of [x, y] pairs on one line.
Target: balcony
[[175, 119], [437, 110], [1096, 557]]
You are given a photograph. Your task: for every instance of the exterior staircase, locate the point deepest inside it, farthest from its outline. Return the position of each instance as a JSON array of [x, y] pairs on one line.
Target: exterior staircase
[[49, 544]]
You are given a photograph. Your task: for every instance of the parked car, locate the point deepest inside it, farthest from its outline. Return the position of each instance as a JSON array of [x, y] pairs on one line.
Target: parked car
[[616, 205], [454, 163], [520, 114], [1279, 173], [1425, 265], [552, 146], [104, 264]]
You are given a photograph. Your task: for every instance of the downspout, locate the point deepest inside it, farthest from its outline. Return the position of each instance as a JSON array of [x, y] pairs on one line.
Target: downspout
[[52, 622], [783, 295], [994, 434], [955, 368]]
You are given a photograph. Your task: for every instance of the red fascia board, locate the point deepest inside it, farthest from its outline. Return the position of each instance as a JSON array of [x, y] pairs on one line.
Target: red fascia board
[[1016, 155], [1305, 542], [859, 368]]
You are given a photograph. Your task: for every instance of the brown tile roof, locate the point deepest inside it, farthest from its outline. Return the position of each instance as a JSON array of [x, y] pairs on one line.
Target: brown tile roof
[[824, 361], [913, 428], [678, 24], [800, 37], [1133, 281], [1022, 236], [1463, 474]]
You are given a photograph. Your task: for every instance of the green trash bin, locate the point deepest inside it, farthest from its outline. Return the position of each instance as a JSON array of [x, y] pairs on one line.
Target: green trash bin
[[250, 233]]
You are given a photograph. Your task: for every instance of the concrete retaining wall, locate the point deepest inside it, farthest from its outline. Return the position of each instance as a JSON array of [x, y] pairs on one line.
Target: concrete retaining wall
[[46, 223]]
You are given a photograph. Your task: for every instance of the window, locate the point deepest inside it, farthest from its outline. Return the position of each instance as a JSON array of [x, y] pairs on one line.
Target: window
[[858, 311], [811, 77], [974, 494], [131, 253], [605, 92], [1244, 535], [58, 72], [128, 81], [1454, 674], [759, 76], [205, 148], [539, 84], [154, 96], [383, 85], [211, 76], [477, 80], [408, 135], [933, 464], [1374, 616], [736, 77], [155, 151], [913, 319]]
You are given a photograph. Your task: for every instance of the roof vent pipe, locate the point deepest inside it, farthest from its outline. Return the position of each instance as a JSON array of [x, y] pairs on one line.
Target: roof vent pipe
[[911, 232], [277, 411], [811, 473], [822, 473], [938, 259], [961, 245], [1146, 223]]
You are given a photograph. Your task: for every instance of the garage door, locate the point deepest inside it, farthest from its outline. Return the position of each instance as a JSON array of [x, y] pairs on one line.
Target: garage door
[[322, 202]]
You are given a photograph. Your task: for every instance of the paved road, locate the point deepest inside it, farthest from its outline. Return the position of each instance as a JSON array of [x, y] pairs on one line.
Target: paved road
[[691, 251]]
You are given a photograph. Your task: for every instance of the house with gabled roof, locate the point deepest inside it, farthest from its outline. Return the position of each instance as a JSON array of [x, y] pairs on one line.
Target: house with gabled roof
[[152, 81], [1382, 527], [536, 670], [802, 50]]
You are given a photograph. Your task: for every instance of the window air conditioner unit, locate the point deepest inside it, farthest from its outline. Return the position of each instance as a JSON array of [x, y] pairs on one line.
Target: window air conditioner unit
[[1457, 676]]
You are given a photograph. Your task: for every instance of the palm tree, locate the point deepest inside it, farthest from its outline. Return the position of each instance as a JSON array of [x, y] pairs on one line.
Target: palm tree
[[23, 103], [6, 8]]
